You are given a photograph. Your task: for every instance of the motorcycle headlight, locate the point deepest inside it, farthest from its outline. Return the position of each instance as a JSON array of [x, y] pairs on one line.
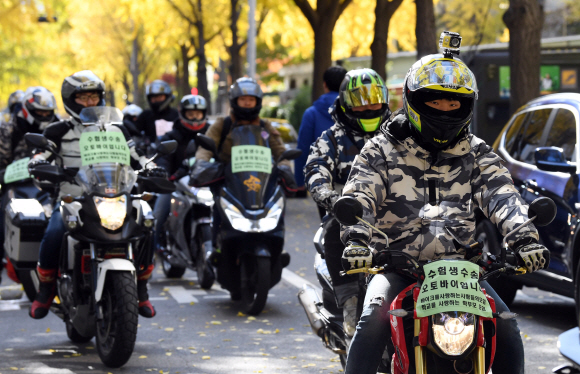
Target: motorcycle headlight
[[204, 196], [241, 223], [453, 332], [112, 211]]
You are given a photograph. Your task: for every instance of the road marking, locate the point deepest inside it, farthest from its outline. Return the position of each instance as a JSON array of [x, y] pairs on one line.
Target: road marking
[[40, 368], [6, 305], [297, 281]]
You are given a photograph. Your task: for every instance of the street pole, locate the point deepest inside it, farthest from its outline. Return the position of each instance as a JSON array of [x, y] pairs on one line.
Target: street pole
[[251, 52]]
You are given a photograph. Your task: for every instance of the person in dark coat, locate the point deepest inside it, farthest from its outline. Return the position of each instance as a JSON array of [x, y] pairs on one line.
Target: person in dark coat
[[156, 120]]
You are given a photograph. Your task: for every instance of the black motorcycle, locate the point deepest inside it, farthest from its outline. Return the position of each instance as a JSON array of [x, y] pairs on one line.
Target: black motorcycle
[[107, 228], [188, 230], [251, 205]]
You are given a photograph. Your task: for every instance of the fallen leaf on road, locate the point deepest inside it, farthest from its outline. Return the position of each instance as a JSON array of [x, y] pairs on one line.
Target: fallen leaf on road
[[143, 356], [215, 322], [169, 329], [167, 353], [206, 357], [298, 340], [48, 329], [240, 314]]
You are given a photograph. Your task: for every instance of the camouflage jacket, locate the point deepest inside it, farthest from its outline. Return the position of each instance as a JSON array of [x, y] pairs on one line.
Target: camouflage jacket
[[412, 195], [13, 147], [330, 160]]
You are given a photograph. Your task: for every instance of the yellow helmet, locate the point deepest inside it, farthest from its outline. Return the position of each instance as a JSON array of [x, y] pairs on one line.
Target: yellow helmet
[[436, 77]]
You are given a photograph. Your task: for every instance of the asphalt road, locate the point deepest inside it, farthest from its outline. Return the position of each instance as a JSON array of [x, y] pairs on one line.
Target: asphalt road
[[199, 331]]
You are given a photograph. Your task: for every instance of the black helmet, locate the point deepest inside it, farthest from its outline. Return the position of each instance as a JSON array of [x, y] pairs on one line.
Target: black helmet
[[38, 99], [14, 98], [80, 82], [364, 87], [193, 102], [159, 87], [245, 87], [436, 77]]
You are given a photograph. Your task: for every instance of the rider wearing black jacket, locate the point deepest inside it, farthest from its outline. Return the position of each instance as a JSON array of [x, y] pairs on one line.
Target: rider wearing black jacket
[[192, 121], [159, 97]]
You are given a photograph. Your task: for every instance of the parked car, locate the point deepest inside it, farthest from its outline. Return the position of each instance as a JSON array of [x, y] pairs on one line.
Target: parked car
[[539, 146]]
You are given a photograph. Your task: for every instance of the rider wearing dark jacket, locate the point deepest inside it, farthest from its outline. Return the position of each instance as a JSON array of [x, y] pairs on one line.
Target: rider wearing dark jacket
[[159, 97], [329, 164], [192, 121]]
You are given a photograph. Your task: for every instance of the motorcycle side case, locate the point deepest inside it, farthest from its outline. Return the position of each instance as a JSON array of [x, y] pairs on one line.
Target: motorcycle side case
[[25, 224]]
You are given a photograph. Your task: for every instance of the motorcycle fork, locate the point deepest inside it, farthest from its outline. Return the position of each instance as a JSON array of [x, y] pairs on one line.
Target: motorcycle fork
[[420, 353]]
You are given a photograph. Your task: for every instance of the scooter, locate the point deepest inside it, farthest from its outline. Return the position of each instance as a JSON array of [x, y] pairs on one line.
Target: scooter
[[188, 230], [96, 281], [442, 317], [251, 206]]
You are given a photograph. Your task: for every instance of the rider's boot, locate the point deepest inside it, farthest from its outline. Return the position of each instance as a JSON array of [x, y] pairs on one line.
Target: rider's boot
[[46, 293], [145, 307], [349, 314]]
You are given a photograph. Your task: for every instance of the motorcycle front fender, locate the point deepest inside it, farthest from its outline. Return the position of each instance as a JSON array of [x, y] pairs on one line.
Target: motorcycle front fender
[[113, 264]]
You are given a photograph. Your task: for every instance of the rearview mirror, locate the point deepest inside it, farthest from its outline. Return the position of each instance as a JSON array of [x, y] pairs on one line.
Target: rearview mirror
[[347, 209], [191, 148], [544, 209], [206, 142], [167, 147], [290, 154], [36, 140]]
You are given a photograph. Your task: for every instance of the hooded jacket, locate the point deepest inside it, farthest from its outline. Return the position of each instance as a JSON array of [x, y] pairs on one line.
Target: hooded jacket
[[331, 158], [413, 195], [315, 121], [146, 121], [174, 161]]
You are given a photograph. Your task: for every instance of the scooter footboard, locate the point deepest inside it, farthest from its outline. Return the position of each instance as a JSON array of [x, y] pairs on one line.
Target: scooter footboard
[[114, 264]]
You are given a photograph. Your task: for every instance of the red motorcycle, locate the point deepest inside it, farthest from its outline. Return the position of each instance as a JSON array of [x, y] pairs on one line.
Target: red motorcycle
[[445, 322]]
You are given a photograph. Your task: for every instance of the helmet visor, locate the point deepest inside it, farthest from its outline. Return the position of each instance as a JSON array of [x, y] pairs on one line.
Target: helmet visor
[[443, 75], [365, 94]]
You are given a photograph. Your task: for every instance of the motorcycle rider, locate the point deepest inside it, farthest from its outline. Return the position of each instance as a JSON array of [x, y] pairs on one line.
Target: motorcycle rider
[[80, 90], [192, 121], [330, 161], [246, 102], [14, 105], [130, 114], [160, 115], [36, 112], [426, 170]]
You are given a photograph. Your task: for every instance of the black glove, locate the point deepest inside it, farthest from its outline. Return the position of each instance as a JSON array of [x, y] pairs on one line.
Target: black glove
[[156, 172], [287, 178], [533, 256], [36, 162], [356, 255]]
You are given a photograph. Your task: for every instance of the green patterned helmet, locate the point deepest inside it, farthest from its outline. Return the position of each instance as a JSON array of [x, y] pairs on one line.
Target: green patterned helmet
[[363, 87]]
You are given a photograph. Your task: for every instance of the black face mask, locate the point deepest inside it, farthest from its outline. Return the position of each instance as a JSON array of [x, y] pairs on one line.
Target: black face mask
[[246, 114]]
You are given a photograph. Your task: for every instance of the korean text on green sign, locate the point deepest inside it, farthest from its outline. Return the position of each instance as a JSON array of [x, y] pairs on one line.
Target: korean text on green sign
[[17, 171], [452, 286], [108, 146], [251, 158]]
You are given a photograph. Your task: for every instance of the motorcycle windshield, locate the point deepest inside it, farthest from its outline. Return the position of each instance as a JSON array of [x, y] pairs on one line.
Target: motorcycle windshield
[[106, 179], [250, 168], [101, 115]]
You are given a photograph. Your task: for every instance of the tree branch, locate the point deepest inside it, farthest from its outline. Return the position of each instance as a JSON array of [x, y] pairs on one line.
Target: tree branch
[[308, 12], [183, 15]]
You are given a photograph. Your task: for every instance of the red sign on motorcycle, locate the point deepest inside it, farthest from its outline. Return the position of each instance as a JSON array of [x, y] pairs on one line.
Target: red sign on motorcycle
[[452, 285]]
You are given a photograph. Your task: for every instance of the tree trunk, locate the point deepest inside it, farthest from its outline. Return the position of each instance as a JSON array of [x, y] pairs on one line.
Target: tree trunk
[[384, 11], [425, 30], [322, 55], [202, 61], [524, 19], [235, 49], [185, 87], [135, 73], [178, 78]]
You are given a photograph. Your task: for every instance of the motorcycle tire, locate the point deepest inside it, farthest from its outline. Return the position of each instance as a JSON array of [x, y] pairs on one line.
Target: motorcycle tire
[[205, 273], [117, 331], [74, 335], [171, 271], [25, 277], [255, 283], [506, 288]]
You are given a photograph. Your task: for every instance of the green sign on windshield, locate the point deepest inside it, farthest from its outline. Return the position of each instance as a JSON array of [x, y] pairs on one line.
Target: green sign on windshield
[[17, 171], [251, 158], [108, 146], [452, 286]]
